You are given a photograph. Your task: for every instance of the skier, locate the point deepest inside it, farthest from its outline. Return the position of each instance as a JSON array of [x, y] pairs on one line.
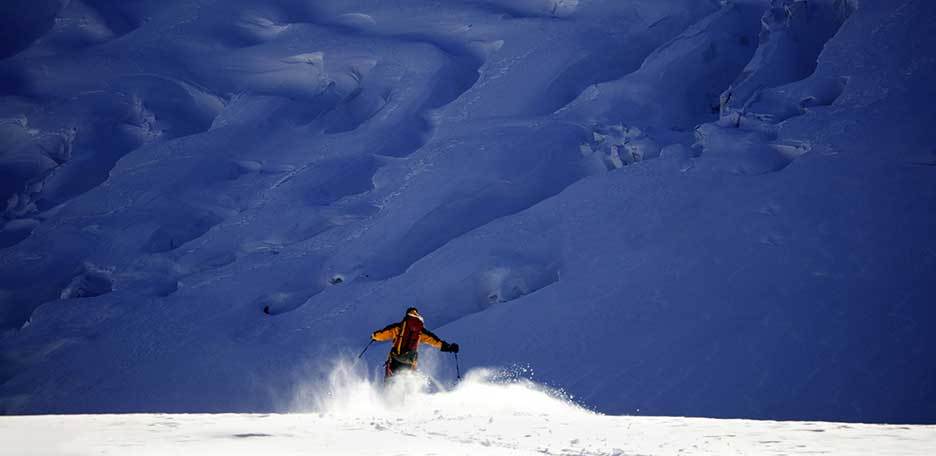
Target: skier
[[406, 336]]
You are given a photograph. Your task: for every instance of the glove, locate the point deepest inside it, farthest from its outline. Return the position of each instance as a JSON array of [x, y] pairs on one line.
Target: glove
[[447, 347]]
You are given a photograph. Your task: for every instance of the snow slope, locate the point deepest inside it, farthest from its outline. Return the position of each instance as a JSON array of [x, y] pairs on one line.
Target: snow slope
[[476, 418], [681, 207], [514, 433]]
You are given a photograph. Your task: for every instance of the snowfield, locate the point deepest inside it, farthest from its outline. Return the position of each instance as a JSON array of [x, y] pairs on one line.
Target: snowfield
[[706, 208], [475, 418], [508, 433]]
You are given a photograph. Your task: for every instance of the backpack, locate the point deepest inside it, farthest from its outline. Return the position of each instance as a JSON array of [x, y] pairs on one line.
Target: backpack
[[412, 328]]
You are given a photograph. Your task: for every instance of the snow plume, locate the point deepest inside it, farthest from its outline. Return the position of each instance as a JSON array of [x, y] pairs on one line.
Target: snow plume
[[349, 390]]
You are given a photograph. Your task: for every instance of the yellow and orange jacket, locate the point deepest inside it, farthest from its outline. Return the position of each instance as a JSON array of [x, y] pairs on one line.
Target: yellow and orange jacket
[[406, 336]]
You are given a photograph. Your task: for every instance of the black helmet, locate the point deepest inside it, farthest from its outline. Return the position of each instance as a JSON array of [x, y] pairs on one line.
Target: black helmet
[[413, 312]]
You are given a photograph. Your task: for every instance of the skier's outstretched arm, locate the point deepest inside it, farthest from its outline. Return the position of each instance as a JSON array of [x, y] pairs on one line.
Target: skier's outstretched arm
[[387, 333], [428, 338]]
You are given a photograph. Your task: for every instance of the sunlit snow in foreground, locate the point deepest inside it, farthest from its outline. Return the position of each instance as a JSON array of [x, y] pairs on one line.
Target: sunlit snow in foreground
[[483, 415]]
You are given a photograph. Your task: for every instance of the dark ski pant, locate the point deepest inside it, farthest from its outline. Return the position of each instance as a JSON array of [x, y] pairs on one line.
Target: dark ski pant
[[399, 363]]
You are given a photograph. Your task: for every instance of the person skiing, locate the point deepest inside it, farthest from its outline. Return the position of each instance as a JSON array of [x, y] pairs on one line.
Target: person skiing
[[406, 336]]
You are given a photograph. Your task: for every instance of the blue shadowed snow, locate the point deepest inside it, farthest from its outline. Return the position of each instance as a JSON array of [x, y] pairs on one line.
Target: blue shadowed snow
[[664, 207]]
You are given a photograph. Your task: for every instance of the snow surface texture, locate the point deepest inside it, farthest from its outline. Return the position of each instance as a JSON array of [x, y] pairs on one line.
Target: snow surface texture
[[478, 417], [666, 207]]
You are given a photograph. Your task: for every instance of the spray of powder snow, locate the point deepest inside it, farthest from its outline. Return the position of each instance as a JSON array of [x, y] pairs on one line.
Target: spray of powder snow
[[349, 390]]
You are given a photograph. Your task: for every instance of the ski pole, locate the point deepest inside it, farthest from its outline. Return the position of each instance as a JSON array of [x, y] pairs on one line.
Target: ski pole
[[457, 370], [365, 348]]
